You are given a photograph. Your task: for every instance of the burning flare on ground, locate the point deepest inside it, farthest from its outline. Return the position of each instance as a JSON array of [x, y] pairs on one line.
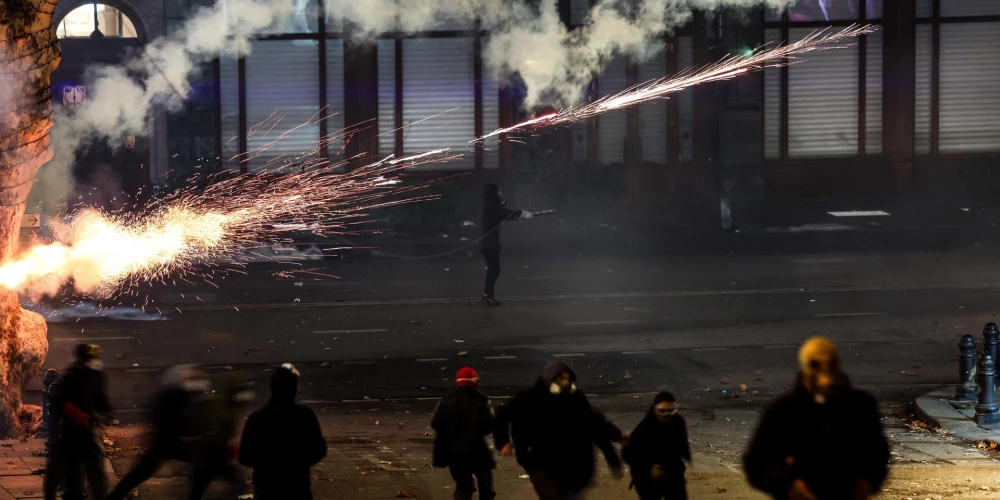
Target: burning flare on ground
[[728, 68], [99, 252]]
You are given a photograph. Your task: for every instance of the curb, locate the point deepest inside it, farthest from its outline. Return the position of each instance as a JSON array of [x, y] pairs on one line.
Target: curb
[[933, 408]]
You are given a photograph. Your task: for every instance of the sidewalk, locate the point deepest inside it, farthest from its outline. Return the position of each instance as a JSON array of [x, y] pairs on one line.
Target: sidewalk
[[22, 467], [935, 409]]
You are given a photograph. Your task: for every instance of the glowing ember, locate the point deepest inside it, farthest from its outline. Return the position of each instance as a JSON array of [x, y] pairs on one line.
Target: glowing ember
[[99, 252], [725, 69]]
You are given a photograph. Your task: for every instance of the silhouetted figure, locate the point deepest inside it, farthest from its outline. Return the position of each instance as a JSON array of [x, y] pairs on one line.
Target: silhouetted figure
[[282, 441], [554, 430], [493, 216], [822, 441], [460, 422], [77, 399], [212, 424], [182, 384], [657, 450]]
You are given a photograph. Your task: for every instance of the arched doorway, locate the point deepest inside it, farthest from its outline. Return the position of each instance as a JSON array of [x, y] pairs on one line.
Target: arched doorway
[[93, 34]]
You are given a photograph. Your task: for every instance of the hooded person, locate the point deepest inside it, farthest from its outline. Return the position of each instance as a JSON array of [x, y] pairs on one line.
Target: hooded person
[[212, 422], [181, 385], [821, 441], [460, 422], [282, 441], [494, 214], [78, 397], [554, 431], [657, 451]]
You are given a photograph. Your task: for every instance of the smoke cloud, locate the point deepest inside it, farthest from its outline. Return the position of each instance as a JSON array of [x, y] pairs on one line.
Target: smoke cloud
[[525, 39]]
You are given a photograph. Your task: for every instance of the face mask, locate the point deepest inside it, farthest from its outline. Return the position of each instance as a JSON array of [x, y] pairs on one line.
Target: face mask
[[664, 414], [555, 388], [197, 385], [95, 364]]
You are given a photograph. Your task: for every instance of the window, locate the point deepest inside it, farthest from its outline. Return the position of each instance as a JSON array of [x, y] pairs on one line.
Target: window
[[832, 101], [84, 20], [957, 101]]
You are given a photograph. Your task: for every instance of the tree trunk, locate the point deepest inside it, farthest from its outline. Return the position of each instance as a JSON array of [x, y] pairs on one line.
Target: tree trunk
[[29, 52]]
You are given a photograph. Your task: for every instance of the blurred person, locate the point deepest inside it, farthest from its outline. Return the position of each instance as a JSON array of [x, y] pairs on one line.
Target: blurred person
[[657, 451], [494, 214], [821, 441], [554, 431], [460, 422], [282, 441], [182, 384], [213, 422], [77, 399]]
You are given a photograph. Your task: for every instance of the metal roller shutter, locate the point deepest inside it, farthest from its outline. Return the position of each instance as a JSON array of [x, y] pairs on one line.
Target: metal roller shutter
[[969, 111], [653, 115], [229, 94], [873, 94], [438, 78], [491, 117], [685, 103], [386, 96], [772, 102], [611, 126], [823, 102], [282, 94], [334, 113], [922, 86], [959, 8]]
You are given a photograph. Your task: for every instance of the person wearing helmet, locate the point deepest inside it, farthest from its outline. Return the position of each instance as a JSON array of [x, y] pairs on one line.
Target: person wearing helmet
[[494, 214], [78, 397], [821, 441]]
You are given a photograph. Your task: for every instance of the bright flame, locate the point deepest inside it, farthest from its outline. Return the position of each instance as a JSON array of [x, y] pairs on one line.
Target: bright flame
[[726, 69]]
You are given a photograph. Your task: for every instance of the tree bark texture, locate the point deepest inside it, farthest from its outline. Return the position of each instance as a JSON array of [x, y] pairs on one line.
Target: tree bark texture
[[29, 53]]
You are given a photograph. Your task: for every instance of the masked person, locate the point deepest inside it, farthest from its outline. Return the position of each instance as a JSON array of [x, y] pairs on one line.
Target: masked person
[[212, 424], [460, 421], [182, 385], [493, 216], [282, 441], [657, 450], [554, 431], [822, 441], [80, 395]]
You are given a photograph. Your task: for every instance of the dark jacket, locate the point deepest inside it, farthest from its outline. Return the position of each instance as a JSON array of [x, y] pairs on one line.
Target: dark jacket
[[167, 412], [281, 442], [556, 434], [830, 446], [460, 421], [493, 216], [86, 389], [658, 443]]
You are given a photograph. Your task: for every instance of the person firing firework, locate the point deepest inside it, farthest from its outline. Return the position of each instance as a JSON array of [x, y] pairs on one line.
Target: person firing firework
[[494, 215]]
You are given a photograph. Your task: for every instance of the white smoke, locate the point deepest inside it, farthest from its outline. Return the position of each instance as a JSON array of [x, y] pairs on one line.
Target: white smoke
[[554, 63]]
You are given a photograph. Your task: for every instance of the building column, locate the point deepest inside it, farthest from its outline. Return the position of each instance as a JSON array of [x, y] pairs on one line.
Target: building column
[[898, 89]]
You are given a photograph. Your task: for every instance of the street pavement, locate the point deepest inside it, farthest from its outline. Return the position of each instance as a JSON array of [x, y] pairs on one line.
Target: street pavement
[[377, 347]]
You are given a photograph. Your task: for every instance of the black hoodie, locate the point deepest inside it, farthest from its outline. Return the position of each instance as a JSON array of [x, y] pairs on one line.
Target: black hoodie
[[281, 442], [556, 433], [493, 216], [655, 442]]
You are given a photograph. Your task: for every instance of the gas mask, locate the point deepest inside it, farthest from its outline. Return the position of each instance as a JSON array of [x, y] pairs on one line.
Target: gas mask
[[557, 389], [819, 363], [95, 364], [663, 414]]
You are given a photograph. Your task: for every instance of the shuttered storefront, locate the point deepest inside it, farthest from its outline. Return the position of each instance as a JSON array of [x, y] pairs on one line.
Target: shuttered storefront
[[282, 95], [873, 94], [611, 125], [923, 78], [685, 119], [969, 115], [229, 96], [653, 115], [438, 78], [334, 112], [772, 101], [386, 96]]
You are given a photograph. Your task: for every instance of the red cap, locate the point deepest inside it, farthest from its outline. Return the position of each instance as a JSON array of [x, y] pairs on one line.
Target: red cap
[[467, 377]]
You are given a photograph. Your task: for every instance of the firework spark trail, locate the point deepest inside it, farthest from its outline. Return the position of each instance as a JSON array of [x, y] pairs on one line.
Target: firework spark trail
[[100, 252], [726, 69]]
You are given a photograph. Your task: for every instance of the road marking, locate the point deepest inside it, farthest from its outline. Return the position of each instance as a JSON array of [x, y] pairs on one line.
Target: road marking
[[584, 323], [431, 360], [838, 315], [709, 349], [331, 283], [637, 352], [570, 355], [359, 362], [605, 296], [499, 357], [786, 346], [427, 399], [141, 370], [539, 278], [359, 400], [72, 339], [370, 330]]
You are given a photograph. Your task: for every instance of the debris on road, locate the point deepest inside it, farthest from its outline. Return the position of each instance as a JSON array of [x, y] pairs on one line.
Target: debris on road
[[119, 356], [720, 489], [628, 376], [919, 425], [988, 445], [406, 494]]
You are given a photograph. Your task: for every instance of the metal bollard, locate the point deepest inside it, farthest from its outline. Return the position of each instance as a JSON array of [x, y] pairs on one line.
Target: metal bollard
[[987, 411], [991, 342], [50, 440], [50, 376], [965, 391]]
